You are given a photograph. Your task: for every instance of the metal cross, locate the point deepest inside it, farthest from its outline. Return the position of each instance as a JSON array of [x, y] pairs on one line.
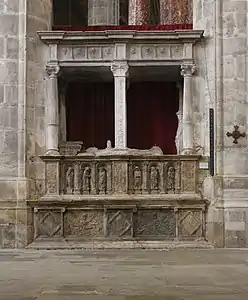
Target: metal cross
[[236, 134]]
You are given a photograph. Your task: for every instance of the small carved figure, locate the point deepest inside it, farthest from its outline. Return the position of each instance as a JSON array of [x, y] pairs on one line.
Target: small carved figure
[[102, 180], [87, 180], [69, 180], [137, 179], [171, 179], [109, 145], [154, 177]]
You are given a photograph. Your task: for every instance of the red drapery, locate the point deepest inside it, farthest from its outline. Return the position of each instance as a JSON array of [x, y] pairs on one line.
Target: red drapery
[[128, 27], [151, 114], [152, 119], [90, 113]]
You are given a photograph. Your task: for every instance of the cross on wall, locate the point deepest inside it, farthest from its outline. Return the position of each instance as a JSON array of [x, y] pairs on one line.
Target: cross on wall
[[236, 134]]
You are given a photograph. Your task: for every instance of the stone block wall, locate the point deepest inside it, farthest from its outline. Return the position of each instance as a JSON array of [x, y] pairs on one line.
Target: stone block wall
[[221, 83], [22, 109]]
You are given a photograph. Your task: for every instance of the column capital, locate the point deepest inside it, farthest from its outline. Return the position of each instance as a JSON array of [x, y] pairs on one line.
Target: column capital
[[187, 69], [120, 69], [52, 70]]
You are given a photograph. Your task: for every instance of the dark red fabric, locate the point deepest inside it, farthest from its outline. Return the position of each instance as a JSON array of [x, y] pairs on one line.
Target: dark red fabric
[[169, 27], [90, 113], [151, 113]]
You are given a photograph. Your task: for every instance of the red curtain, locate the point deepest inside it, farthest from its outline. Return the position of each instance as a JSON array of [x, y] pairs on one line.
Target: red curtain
[[151, 114], [152, 119], [90, 113]]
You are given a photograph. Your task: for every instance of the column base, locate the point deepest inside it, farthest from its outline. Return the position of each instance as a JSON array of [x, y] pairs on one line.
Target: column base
[[52, 153]]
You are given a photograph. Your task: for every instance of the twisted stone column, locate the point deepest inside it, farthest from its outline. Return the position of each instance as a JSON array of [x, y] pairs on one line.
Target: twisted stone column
[[120, 72], [187, 71], [139, 12], [52, 118]]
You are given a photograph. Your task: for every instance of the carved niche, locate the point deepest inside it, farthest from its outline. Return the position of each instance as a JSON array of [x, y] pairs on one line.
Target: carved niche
[[102, 179], [69, 179], [86, 182], [154, 179]]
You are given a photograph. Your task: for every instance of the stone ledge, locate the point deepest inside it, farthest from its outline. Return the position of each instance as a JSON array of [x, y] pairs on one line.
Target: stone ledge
[[66, 244]]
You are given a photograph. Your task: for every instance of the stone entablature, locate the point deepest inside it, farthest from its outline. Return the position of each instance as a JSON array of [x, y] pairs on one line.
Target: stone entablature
[[70, 48]]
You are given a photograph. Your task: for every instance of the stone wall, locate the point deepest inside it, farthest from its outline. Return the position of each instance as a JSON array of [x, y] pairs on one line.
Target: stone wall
[[22, 108], [221, 83]]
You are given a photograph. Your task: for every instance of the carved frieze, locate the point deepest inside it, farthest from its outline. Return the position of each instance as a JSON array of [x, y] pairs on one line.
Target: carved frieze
[[154, 223], [88, 52], [83, 223], [155, 52]]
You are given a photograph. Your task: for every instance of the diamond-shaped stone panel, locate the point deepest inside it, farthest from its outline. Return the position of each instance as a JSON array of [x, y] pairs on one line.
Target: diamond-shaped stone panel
[[48, 223], [190, 223], [120, 223]]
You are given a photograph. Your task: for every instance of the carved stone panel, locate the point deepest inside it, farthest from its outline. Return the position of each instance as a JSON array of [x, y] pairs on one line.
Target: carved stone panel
[[69, 179], [83, 223], [86, 184], [135, 178], [119, 223], [188, 176], [52, 178], [154, 223], [154, 179], [190, 223], [48, 223], [120, 176]]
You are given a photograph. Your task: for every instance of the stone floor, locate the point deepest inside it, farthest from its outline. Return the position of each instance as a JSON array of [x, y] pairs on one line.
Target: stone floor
[[124, 275]]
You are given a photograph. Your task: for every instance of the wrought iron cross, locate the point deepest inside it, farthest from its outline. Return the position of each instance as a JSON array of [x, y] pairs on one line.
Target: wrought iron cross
[[236, 134]]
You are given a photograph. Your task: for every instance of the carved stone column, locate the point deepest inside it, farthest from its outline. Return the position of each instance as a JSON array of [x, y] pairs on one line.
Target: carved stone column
[[179, 135], [139, 12], [187, 71], [120, 72], [52, 118]]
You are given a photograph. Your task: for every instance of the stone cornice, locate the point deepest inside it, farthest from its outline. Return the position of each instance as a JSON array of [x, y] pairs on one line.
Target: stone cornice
[[71, 37]]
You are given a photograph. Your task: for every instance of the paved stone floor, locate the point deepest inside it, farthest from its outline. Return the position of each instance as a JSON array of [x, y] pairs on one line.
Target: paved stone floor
[[124, 275]]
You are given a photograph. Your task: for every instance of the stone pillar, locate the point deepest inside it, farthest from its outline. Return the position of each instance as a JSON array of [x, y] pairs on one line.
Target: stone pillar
[[187, 70], [103, 12], [179, 135], [120, 72], [139, 12], [62, 112], [52, 118]]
